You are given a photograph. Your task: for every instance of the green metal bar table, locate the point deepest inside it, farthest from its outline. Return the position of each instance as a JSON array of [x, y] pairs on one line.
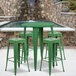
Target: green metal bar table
[[37, 27]]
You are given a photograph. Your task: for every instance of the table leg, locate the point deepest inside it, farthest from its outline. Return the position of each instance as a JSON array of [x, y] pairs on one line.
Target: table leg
[[50, 55], [41, 44], [35, 43], [25, 46]]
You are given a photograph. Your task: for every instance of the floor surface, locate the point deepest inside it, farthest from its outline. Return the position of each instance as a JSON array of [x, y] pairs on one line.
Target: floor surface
[[69, 64]]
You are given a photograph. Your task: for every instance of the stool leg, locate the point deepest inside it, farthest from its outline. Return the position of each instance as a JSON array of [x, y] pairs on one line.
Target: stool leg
[[41, 61], [19, 55], [61, 56], [28, 65], [22, 54], [46, 52], [27, 46], [23, 50], [15, 57], [46, 49], [63, 47], [26, 56], [55, 45], [54, 48], [7, 57], [56, 55], [56, 52]]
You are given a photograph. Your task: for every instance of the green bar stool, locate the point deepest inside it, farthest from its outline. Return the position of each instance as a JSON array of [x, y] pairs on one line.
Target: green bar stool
[[21, 34], [28, 34], [51, 42], [57, 34], [16, 42]]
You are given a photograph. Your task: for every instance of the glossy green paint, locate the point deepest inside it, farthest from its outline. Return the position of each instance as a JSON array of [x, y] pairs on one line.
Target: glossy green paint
[[16, 42], [28, 34], [19, 55], [35, 43], [21, 34], [41, 43], [58, 34], [51, 42], [37, 26], [22, 54], [7, 57]]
